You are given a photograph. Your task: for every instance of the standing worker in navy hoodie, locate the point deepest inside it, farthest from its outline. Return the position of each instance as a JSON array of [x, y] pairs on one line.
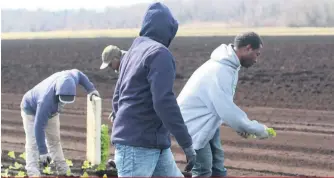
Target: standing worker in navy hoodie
[[40, 108], [145, 105]]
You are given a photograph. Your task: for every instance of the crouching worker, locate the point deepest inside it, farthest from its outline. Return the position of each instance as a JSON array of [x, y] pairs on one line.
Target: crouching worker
[[40, 108], [206, 102]]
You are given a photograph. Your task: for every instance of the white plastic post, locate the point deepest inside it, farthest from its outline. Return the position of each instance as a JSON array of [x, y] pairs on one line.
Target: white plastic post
[[93, 144]]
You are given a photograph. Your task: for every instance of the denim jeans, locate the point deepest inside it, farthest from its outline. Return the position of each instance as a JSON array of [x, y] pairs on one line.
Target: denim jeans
[[210, 159], [145, 162]]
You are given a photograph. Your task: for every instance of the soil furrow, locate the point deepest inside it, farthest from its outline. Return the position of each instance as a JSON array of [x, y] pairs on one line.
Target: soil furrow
[[284, 140], [77, 121], [274, 169], [64, 125], [285, 157], [289, 92], [70, 124], [227, 139], [324, 126], [312, 129]]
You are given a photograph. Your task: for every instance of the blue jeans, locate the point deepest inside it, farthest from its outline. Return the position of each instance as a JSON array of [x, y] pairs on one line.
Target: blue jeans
[[145, 162], [210, 159]]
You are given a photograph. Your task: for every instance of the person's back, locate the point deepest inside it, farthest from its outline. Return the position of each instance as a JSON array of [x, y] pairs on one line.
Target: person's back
[[144, 99], [135, 107], [45, 90], [145, 106]]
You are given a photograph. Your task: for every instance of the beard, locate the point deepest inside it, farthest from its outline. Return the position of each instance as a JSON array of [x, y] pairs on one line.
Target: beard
[[246, 62]]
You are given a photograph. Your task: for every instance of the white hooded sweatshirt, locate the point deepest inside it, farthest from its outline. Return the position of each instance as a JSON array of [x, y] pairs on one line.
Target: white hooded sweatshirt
[[206, 101]]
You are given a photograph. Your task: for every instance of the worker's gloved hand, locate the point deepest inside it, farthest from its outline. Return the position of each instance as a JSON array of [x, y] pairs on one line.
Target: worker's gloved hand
[[191, 158], [45, 159], [268, 133], [95, 93], [244, 134]]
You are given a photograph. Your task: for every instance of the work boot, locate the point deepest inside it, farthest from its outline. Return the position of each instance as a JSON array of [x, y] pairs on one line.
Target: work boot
[[111, 163]]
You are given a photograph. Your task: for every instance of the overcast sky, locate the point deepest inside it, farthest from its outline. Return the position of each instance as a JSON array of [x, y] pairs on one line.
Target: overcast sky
[[67, 4]]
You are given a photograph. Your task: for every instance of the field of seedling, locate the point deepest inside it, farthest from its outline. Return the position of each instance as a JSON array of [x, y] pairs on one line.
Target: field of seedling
[[291, 89], [14, 163]]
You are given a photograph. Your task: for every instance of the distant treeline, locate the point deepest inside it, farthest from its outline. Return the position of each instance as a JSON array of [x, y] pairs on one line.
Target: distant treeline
[[236, 13]]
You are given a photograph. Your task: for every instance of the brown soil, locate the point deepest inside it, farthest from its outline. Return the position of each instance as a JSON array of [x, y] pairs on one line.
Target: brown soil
[[300, 148], [294, 73]]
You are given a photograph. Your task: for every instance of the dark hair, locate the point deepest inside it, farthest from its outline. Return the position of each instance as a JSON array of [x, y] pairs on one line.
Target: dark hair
[[248, 38]]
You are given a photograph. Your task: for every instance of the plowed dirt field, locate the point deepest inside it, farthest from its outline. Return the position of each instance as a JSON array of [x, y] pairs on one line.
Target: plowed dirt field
[[291, 90]]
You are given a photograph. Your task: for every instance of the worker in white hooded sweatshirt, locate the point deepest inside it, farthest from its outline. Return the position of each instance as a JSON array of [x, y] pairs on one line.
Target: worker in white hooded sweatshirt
[[206, 102]]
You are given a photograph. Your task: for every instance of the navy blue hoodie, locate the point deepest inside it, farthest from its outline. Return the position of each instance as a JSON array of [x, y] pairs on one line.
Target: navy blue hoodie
[[42, 103], [144, 103]]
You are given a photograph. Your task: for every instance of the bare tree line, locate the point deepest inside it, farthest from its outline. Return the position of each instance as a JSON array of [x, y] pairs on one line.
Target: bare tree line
[[245, 13]]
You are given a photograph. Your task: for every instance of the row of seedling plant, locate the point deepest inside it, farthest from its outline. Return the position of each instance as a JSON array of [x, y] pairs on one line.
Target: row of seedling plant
[[105, 144]]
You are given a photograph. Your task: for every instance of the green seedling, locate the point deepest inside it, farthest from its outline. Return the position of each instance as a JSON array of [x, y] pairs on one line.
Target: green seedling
[[16, 166], [69, 163], [23, 155], [270, 131], [20, 174], [86, 165], [105, 144], [11, 154], [68, 172], [47, 170], [5, 174], [85, 174]]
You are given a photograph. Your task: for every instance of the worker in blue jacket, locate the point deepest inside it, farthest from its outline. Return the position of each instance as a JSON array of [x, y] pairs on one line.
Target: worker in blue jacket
[[146, 110], [40, 108]]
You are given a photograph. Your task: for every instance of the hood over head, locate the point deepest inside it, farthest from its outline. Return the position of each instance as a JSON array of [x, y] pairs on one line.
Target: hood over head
[[66, 89], [159, 24]]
